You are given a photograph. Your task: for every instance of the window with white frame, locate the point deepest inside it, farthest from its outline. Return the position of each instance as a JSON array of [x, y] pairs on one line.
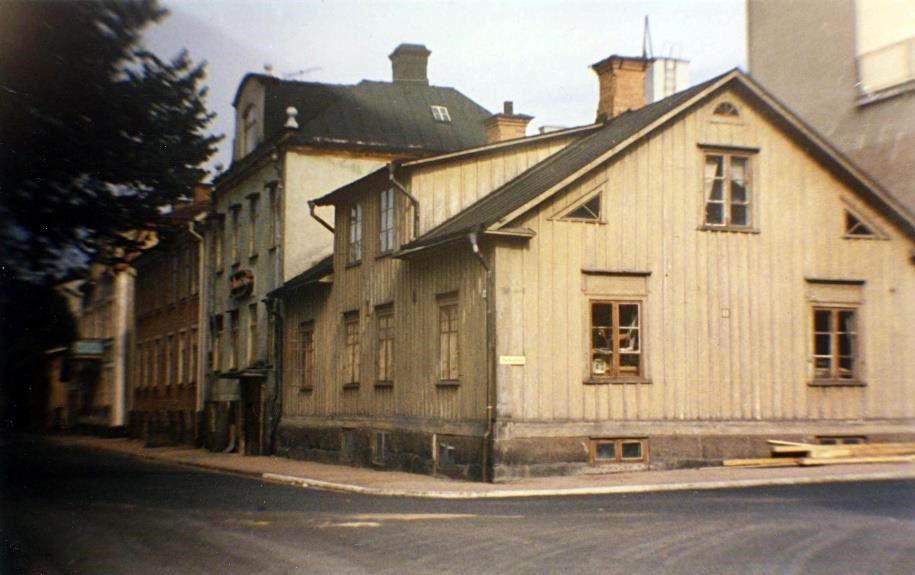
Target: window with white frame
[[354, 248], [386, 220], [249, 130], [253, 209], [727, 190], [440, 114]]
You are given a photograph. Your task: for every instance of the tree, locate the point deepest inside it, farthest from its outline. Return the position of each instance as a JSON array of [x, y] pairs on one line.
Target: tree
[[96, 133]]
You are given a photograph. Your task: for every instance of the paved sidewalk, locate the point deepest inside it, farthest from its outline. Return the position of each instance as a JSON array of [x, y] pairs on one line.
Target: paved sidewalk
[[395, 483]]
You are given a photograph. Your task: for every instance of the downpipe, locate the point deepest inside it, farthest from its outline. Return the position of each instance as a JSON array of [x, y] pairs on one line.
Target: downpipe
[[490, 356]]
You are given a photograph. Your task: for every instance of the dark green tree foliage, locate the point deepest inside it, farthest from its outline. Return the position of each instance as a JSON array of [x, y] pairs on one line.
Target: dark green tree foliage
[[96, 133]]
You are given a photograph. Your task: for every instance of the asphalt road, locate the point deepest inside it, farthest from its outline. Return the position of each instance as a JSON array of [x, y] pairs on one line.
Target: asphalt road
[[70, 511]]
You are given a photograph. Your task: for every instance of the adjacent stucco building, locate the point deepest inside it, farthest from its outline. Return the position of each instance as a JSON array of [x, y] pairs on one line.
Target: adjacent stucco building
[[847, 67]]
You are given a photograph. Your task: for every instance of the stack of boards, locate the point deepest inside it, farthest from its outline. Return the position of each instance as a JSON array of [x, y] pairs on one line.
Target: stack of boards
[[790, 454]]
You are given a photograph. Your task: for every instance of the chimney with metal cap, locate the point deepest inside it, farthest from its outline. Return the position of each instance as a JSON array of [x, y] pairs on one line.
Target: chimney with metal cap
[[506, 126], [409, 63]]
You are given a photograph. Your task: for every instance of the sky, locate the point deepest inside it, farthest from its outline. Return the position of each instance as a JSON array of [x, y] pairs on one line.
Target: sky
[[536, 53]]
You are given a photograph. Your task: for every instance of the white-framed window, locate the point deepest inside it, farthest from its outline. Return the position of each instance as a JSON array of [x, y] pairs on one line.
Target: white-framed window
[[727, 190], [236, 234], [440, 114], [354, 248], [386, 220], [253, 209]]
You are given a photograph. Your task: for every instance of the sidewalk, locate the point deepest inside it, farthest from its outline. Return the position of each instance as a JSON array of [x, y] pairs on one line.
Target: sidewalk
[[395, 483]]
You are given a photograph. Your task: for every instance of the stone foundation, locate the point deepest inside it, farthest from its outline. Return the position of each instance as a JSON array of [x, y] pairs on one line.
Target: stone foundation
[[457, 456]]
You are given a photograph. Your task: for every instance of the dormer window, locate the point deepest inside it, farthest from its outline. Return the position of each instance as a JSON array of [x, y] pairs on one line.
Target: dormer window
[[249, 129], [440, 114]]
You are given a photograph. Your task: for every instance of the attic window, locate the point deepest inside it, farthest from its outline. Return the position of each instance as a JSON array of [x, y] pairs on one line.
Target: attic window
[[727, 110], [590, 210], [440, 114], [855, 228]]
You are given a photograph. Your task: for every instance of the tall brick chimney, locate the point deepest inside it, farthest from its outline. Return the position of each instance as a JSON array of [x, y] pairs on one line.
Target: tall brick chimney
[[409, 63], [506, 126], [622, 85]]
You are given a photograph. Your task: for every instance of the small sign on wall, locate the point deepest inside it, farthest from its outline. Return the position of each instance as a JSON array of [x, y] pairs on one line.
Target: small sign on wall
[[511, 360]]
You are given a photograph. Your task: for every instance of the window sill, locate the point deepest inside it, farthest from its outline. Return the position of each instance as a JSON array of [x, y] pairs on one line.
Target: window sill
[[836, 383], [236, 265], [272, 248], [220, 270], [349, 386], [306, 389], [616, 380], [252, 256], [383, 255], [710, 228], [384, 384], [353, 264], [446, 383]]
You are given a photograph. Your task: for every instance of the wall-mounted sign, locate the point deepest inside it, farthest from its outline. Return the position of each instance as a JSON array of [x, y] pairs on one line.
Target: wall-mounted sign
[[511, 360], [241, 283]]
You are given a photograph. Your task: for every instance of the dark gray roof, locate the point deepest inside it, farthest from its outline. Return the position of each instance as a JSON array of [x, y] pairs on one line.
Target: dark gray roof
[[312, 275], [544, 175], [382, 116]]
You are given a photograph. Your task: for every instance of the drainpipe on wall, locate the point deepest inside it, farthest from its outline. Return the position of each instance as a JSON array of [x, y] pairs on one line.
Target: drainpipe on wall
[[410, 197], [275, 307], [311, 211], [490, 355], [202, 329]]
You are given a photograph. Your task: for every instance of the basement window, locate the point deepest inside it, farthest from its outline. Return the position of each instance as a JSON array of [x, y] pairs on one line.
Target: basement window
[[380, 443], [841, 439], [440, 114], [612, 450]]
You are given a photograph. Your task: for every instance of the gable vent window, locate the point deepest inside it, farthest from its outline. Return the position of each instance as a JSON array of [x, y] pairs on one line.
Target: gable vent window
[[440, 114], [726, 109], [589, 210], [855, 228]]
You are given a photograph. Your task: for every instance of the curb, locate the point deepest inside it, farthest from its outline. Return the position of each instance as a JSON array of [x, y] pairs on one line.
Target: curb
[[571, 491]]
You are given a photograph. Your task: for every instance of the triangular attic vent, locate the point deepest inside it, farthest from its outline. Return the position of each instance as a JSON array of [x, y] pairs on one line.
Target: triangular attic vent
[[587, 210]]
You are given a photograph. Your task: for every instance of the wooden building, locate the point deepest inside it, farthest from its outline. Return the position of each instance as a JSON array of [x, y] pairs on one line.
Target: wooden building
[[294, 142], [668, 287]]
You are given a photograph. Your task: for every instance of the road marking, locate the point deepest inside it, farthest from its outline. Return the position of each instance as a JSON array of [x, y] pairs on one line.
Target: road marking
[[411, 516], [354, 524]]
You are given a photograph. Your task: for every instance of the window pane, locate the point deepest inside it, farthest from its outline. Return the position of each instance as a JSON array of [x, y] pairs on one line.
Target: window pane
[[605, 450], [632, 450], [846, 321], [738, 192], [715, 190], [846, 344], [739, 215], [846, 365], [822, 344], [601, 314], [821, 320], [738, 168], [714, 213], [601, 363], [714, 167], [629, 363]]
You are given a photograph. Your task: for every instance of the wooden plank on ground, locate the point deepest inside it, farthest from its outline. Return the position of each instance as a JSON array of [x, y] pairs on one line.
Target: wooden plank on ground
[[761, 462], [809, 461]]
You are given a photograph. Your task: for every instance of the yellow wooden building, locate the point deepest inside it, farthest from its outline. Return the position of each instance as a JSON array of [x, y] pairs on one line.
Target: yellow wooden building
[[667, 287]]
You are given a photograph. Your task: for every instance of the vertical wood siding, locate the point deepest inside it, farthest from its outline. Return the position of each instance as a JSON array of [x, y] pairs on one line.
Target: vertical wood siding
[[752, 365]]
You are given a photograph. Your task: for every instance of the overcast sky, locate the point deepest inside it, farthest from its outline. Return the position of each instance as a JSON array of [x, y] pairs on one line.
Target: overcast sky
[[534, 52]]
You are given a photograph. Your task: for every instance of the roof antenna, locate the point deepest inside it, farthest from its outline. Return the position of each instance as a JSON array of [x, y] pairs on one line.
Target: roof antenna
[[647, 49]]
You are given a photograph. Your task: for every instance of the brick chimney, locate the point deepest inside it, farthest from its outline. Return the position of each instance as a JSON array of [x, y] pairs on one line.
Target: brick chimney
[[622, 85], [506, 126], [409, 63]]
